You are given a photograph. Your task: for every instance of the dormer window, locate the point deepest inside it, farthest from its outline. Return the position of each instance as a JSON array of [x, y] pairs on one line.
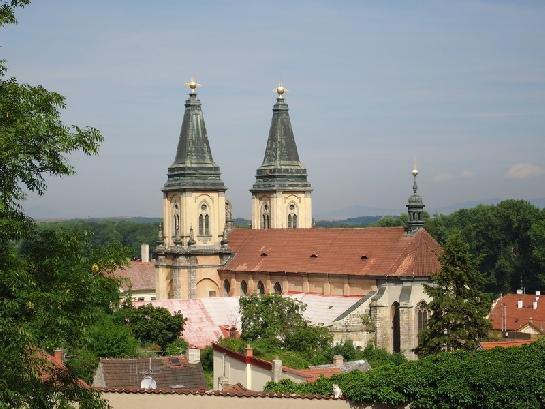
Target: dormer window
[[364, 257]]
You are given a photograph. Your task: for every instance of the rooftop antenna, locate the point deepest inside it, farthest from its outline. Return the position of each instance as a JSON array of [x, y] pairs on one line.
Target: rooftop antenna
[[147, 381]]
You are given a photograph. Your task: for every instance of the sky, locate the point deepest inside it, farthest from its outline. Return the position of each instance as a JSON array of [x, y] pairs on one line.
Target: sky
[[457, 85]]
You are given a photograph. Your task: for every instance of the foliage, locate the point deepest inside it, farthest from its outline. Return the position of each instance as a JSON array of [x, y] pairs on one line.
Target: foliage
[[108, 339], [151, 324], [177, 347], [207, 359], [361, 221], [458, 308], [130, 232], [509, 237], [499, 378]]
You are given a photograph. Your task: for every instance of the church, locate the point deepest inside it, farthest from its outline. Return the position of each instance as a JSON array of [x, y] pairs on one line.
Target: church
[[199, 253]]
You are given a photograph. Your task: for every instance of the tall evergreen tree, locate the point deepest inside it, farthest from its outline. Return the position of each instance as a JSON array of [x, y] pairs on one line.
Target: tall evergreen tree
[[458, 307]]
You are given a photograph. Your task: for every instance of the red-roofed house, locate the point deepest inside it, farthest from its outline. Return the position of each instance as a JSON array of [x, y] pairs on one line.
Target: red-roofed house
[[231, 368], [519, 315]]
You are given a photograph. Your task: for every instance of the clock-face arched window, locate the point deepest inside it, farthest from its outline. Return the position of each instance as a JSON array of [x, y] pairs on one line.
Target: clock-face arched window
[[266, 216], [204, 221], [292, 216]]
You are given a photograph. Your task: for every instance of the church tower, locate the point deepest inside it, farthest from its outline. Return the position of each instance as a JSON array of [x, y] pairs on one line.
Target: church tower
[[191, 241], [281, 195], [415, 208]]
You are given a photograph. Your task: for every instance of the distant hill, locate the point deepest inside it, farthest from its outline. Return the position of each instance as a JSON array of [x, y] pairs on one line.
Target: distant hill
[[350, 222]]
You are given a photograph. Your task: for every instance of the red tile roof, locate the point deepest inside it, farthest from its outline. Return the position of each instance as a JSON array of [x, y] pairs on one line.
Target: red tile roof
[[505, 344], [371, 251], [168, 372], [313, 374], [201, 392], [139, 276], [515, 317]]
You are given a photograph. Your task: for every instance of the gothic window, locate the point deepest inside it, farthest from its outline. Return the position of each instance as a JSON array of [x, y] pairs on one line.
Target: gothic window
[[265, 216], [421, 317], [226, 288], [277, 288], [204, 221], [260, 287], [396, 328], [292, 216], [244, 287], [175, 220]]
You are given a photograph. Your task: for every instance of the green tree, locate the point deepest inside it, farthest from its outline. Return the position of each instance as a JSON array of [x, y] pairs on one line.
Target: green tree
[[458, 308], [52, 287], [152, 325]]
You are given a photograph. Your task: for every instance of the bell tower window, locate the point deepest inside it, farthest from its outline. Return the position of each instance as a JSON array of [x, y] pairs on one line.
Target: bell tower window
[[292, 216], [175, 220], [265, 216], [204, 221]]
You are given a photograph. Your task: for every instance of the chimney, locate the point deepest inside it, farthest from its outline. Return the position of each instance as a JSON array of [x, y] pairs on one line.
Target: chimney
[[534, 304], [519, 291], [519, 304], [59, 355], [338, 361], [538, 293], [193, 355], [144, 253], [276, 370], [249, 353]]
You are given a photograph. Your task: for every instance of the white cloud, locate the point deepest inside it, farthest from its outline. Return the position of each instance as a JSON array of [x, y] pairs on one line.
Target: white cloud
[[524, 171], [444, 177]]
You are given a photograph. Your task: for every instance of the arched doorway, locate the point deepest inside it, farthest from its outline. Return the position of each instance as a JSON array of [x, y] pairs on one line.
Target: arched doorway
[[396, 333]]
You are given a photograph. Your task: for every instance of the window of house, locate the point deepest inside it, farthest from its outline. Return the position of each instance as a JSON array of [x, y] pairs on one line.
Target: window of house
[[211, 293], [260, 287], [204, 221], [243, 287]]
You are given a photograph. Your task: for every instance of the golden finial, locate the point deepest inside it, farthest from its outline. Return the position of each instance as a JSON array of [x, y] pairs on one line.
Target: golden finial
[[192, 85], [280, 90], [415, 170]]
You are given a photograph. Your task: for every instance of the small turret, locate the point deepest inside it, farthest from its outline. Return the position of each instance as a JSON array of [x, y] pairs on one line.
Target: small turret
[[415, 208]]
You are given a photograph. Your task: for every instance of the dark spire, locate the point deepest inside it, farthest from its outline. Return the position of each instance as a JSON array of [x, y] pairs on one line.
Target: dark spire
[[281, 168], [193, 167], [415, 208]]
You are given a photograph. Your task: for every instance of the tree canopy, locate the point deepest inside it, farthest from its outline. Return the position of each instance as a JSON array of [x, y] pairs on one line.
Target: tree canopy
[[458, 308]]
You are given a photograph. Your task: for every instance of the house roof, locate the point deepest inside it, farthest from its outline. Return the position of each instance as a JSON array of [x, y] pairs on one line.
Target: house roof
[[138, 276], [515, 318], [370, 251], [207, 317], [505, 344], [168, 372]]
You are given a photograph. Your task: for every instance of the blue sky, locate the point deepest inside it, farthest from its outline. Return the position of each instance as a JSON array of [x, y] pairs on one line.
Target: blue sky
[[460, 86]]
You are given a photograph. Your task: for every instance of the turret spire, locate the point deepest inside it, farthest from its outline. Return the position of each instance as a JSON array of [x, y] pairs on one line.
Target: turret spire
[[281, 168], [415, 207], [193, 166]]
